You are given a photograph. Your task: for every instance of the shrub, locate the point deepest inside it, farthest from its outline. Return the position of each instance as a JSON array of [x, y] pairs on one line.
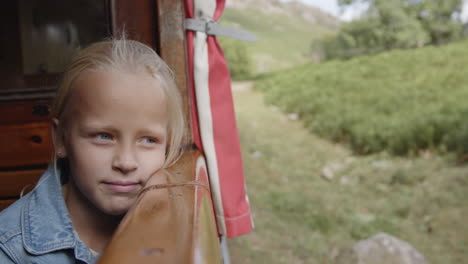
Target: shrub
[[401, 101], [238, 58]]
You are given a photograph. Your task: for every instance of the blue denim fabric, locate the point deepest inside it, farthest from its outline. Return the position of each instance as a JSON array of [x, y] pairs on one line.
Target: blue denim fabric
[[37, 228]]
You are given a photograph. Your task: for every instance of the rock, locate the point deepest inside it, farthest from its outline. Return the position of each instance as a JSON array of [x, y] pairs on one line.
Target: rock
[[293, 116], [337, 166], [344, 180], [380, 249], [256, 154], [328, 174]]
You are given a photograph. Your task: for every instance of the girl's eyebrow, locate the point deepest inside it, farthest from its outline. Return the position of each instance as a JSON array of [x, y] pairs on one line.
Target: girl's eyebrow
[[98, 127], [154, 130]]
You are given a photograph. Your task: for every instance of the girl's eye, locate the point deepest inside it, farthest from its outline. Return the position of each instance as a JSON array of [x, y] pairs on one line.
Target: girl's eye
[[103, 136], [149, 140]]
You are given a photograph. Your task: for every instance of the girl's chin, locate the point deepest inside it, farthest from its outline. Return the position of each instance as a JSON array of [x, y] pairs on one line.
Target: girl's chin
[[116, 213], [116, 210]]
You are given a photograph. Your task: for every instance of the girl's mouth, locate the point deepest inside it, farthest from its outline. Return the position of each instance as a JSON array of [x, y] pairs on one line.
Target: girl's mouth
[[122, 187]]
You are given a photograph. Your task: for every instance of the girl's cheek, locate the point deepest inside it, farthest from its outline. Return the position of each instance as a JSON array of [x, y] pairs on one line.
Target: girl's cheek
[[86, 150], [154, 158]]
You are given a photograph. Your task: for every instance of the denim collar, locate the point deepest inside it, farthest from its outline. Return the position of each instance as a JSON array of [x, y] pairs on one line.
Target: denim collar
[[45, 222]]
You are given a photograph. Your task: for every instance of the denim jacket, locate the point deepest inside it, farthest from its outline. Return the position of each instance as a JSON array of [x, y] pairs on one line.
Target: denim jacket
[[37, 228]]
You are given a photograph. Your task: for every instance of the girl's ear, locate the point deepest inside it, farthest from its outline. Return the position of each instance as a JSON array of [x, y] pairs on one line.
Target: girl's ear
[[58, 139]]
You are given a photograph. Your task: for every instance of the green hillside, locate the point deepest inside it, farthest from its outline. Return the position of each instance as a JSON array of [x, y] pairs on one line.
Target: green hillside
[[284, 40], [399, 101], [303, 216]]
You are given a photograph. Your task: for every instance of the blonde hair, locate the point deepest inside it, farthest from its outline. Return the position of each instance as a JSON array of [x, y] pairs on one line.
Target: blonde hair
[[132, 57]]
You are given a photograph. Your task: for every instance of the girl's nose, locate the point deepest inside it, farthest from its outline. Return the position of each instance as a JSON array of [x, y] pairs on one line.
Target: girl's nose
[[125, 161]]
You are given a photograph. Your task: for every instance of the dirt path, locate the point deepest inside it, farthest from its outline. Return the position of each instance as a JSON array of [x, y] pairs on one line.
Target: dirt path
[[241, 86]]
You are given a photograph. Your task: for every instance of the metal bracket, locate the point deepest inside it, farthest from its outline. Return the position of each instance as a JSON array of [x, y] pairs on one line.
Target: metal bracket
[[216, 29]]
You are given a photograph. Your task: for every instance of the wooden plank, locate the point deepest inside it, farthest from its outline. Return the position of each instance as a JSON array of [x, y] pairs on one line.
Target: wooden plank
[[14, 182], [24, 112], [172, 45], [5, 203], [26, 144], [206, 241], [137, 18]]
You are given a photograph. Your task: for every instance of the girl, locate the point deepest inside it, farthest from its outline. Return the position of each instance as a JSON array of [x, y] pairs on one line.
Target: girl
[[117, 119]]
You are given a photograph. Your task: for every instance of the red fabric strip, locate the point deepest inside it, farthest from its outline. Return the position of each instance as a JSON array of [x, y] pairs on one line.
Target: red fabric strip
[[227, 144], [237, 215]]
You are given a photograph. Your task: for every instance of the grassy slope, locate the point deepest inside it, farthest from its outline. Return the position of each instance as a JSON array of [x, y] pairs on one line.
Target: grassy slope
[[284, 40], [399, 100], [302, 218]]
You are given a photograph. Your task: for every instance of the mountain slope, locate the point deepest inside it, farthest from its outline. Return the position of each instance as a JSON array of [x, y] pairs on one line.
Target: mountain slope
[[286, 30]]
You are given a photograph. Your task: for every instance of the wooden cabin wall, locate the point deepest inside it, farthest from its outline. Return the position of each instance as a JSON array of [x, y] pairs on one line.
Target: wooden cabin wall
[[25, 99]]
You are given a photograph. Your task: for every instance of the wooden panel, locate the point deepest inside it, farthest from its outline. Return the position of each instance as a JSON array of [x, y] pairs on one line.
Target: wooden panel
[[137, 18], [172, 45], [24, 112], [5, 203], [206, 241], [28, 144], [13, 182], [206, 244]]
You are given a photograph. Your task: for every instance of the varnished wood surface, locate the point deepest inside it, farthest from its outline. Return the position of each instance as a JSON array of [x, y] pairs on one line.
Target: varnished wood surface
[[206, 240], [24, 112], [172, 45], [13, 182], [137, 18], [5, 203], [25, 144]]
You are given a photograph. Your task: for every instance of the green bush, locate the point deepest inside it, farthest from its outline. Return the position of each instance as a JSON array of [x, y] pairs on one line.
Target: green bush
[[400, 101], [396, 24], [238, 58]]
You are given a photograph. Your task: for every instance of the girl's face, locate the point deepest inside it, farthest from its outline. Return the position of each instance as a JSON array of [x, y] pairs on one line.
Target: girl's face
[[115, 137]]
